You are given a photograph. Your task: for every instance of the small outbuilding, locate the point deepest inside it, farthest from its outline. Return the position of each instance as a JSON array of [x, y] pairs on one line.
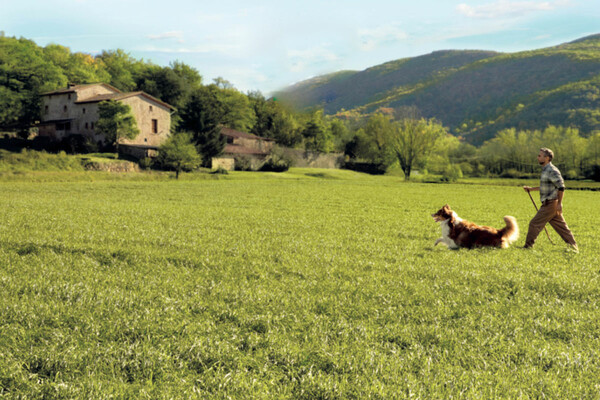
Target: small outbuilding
[[243, 148]]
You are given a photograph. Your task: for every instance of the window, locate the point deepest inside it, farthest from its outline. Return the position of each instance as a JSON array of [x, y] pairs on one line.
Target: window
[[154, 126], [65, 108], [63, 126], [150, 108], [69, 96], [92, 126], [84, 110], [86, 125], [46, 110]]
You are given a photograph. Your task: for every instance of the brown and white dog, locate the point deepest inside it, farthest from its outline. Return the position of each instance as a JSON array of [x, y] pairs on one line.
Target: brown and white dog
[[457, 232]]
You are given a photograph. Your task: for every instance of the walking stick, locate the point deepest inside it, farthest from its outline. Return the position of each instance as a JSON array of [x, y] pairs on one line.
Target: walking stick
[[536, 209]]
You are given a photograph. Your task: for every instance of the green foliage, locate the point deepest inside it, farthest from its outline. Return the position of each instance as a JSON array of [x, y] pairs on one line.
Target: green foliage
[[274, 121], [122, 68], [277, 161], [145, 163], [175, 297], [371, 143], [220, 171], [317, 135], [179, 153], [413, 140], [243, 163], [237, 110], [474, 94], [516, 150], [203, 112], [28, 160], [452, 173], [24, 74], [351, 89], [116, 122], [77, 67]]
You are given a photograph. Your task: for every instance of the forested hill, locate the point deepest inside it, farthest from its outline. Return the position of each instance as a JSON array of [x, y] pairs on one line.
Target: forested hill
[[474, 93]]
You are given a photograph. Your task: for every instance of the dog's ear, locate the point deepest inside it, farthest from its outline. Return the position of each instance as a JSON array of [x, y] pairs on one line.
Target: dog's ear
[[446, 207]]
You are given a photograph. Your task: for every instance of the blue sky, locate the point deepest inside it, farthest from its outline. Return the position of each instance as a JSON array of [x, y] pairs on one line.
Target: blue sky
[[267, 45]]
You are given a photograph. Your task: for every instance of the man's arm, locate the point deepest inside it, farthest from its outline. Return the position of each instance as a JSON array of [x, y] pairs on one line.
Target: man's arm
[[561, 194], [531, 189]]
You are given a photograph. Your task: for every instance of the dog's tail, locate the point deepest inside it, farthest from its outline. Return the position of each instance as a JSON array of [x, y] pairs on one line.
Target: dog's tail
[[510, 233]]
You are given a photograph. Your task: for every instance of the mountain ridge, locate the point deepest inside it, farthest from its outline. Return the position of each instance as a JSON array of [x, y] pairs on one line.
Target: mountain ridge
[[473, 92]]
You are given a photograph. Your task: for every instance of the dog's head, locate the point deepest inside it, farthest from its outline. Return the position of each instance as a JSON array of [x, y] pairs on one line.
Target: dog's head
[[443, 214]]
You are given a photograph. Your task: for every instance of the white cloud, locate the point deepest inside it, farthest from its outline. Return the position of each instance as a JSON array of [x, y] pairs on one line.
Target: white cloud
[[206, 48], [505, 8], [369, 39], [301, 59], [168, 35]]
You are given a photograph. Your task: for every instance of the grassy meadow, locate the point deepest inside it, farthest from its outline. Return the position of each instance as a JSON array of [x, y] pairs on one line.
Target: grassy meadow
[[310, 284]]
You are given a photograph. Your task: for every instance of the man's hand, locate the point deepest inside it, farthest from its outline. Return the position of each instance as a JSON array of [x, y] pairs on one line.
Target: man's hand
[[559, 208], [527, 188]]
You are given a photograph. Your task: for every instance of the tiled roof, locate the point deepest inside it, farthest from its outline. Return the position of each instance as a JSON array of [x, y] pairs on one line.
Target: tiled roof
[[73, 88], [118, 95], [237, 134], [235, 149], [100, 97], [121, 96], [139, 146]]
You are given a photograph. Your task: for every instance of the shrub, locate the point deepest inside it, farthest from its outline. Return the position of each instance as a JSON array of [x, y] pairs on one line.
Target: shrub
[[146, 163], [452, 173], [592, 172], [571, 174], [220, 171], [278, 161], [466, 168], [243, 163], [366, 167]]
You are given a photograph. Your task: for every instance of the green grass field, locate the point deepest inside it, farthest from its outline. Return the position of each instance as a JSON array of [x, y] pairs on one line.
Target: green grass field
[[310, 284]]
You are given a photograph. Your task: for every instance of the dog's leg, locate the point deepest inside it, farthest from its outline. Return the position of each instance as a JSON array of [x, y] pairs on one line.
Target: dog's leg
[[440, 240]]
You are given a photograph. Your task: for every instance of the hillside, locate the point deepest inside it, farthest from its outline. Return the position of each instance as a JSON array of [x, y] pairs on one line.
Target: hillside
[[475, 93], [349, 89]]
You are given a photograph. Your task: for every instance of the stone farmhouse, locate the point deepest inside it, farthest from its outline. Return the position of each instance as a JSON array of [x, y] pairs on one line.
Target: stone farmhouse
[[254, 149], [74, 111]]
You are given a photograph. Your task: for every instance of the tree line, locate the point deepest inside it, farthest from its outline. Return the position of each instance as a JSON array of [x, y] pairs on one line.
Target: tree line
[[27, 70], [416, 143], [379, 141]]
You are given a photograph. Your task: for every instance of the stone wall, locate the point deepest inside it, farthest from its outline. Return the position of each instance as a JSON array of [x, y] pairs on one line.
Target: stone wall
[[227, 163], [309, 159], [144, 111], [115, 166]]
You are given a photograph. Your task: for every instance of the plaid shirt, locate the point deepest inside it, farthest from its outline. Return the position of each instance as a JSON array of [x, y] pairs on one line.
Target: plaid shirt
[[550, 183]]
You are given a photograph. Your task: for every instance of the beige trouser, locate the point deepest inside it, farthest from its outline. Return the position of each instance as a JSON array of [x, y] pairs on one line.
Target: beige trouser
[[547, 214]]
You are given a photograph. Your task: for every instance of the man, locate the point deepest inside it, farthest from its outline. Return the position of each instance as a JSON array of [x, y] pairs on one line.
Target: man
[[552, 190]]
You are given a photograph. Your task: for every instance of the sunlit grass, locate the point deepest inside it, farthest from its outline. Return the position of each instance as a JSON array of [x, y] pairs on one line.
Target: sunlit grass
[[308, 284]]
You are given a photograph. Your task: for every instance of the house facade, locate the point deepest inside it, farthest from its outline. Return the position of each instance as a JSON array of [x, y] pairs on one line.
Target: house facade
[[254, 149], [74, 111]]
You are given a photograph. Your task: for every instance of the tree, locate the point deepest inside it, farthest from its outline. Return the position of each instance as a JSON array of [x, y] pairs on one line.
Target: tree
[[317, 136], [123, 68], [116, 122], [24, 74], [340, 133], [179, 153], [202, 116], [274, 121], [237, 110], [412, 140], [378, 131], [77, 67]]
